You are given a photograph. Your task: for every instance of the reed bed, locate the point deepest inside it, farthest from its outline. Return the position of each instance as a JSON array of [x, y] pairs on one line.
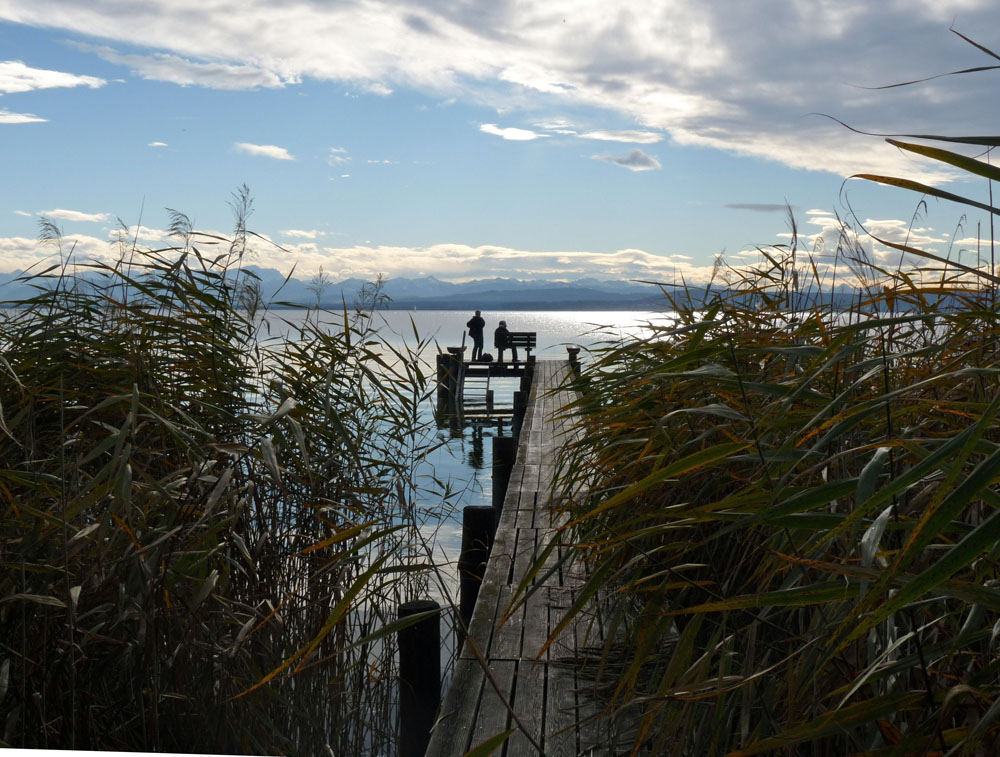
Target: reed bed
[[793, 516], [205, 530]]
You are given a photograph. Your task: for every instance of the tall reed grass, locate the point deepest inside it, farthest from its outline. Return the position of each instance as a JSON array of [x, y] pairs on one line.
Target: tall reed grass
[[205, 530], [793, 514]]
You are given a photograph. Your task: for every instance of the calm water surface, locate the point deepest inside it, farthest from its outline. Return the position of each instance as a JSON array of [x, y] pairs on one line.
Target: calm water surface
[[465, 459]]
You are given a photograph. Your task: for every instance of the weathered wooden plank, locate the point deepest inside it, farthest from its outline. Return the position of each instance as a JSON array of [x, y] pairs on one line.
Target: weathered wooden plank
[[565, 644], [524, 554], [560, 713], [483, 619], [493, 717], [593, 731], [536, 624], [453, 729], [502, 554], [506, 639], [529, 705], [531, 473]]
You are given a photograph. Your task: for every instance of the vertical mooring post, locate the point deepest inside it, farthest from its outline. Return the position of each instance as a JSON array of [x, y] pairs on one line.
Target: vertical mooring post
[[528, 374], [489, 402], [419, 676], [478, 527], [443, 363], [454, 372], [520, 408], [574, 360], [504, 452]]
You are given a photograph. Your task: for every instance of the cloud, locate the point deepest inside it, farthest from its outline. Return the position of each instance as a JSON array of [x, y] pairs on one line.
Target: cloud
[[141, 233], [157, 144], [75, 215], [685, 68], [6, 117], [511, 133], [636, 160], [558, 125], [338, 156], [378, 88], [264, 151], [458, 262], [636, 137], [301, 234], [758, 207], [15, 76], [178, 70], [24, 213]]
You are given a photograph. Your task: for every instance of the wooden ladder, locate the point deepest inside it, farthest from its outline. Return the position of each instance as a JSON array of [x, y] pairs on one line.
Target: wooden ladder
[[476, 393]]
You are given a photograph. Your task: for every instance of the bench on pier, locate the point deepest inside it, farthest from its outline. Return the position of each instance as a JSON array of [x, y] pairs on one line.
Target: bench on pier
[[525, 340]]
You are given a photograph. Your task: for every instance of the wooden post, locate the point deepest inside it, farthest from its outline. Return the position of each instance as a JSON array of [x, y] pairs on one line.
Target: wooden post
[[443, 361], [504, 453], [419, 676], [574, 360], [454, 372], [528, 374], [478, 527], [520, 408], [489, 402]]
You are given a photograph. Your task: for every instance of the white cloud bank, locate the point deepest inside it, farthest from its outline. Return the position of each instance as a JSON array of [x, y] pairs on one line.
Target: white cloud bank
[[635, 137], [264, 151], [75, 215], [6, 117], [15, 76], [454, 262], [178, 70], [511, 133], [460, 262], [685, 68]]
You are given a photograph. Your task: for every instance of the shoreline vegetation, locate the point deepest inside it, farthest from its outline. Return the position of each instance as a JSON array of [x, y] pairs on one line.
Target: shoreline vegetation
[[791, 516], [793, 520], [205, 531]]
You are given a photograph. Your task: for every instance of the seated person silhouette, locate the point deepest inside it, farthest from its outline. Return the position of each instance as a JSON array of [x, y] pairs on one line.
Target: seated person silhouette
[[501, 340]]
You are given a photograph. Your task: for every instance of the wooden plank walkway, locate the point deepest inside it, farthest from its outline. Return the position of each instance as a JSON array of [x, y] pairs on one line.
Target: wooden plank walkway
[[541, 689]]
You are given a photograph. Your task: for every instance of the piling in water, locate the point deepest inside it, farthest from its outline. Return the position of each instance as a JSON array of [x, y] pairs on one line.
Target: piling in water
[[504, 452], [517, 421], [478, 528], [528, 374], [419, 676], [574, 360]]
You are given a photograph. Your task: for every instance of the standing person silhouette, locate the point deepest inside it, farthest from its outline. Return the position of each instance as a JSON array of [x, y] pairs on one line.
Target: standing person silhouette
[[501, 339], [476, 325]]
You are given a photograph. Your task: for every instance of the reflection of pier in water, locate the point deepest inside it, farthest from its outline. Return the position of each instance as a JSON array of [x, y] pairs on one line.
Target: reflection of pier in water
[[516, 677], [466, 395]]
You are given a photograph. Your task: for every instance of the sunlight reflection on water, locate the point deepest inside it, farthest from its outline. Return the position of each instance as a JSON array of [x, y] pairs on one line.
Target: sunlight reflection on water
[[465, 458]]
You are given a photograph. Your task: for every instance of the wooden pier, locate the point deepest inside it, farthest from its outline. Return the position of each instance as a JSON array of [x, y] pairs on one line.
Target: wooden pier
[[503, 681], [464, 386]]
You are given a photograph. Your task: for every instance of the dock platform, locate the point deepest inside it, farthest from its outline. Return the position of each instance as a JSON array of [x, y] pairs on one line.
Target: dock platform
[[538, 696]]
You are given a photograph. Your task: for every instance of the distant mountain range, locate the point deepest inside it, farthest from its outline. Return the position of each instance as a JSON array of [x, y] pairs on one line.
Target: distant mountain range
[[430, 293]]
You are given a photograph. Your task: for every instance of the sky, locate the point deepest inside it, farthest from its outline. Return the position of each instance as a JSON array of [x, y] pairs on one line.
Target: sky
[[463, 139]]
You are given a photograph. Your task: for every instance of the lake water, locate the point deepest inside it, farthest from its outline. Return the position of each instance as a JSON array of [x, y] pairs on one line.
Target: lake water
[[464, 459]]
